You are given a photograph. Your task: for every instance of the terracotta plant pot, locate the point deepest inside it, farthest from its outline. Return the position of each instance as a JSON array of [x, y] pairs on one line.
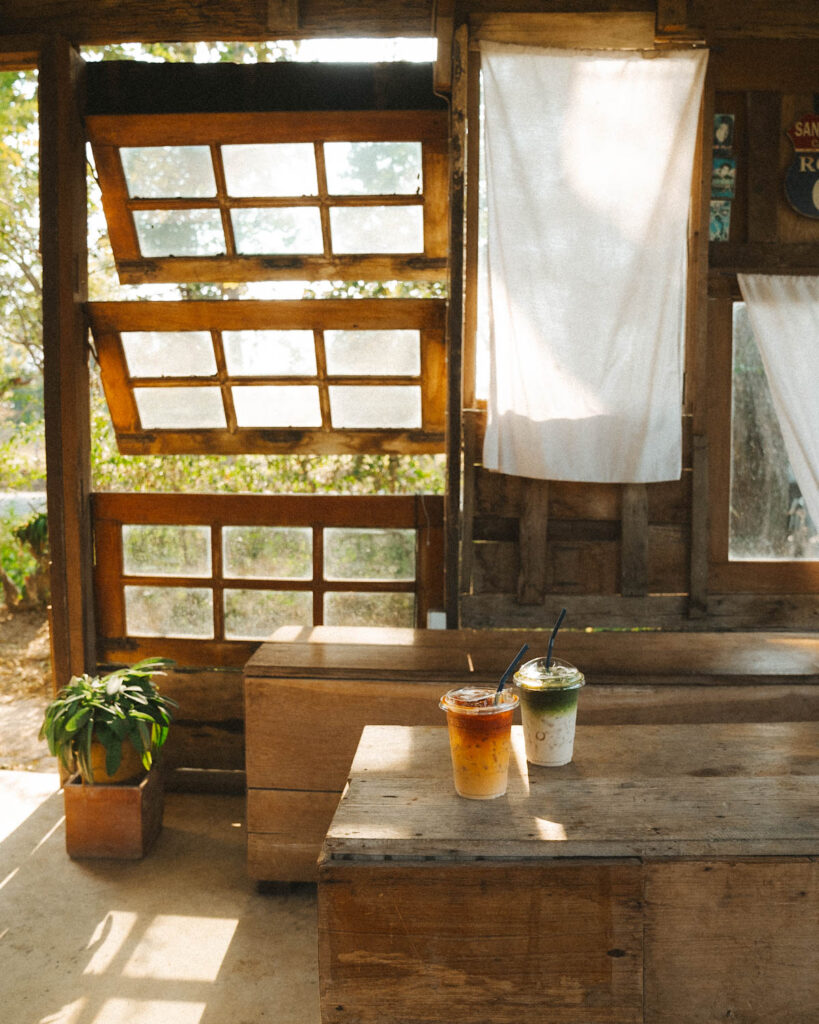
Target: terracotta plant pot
[[130, 769]]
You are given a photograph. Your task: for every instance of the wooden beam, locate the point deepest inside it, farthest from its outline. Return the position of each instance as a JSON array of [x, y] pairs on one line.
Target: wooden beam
[[534, 522], [672, 17], [19, 53], [444, 29], [93, 24], [634, 541], [67, 413], [763, 258], [283, 17], [598, 30], [783, 65]]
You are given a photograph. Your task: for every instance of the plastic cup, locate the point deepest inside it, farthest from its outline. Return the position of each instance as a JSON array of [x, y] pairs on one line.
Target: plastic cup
[[548, 708], [480, 733]]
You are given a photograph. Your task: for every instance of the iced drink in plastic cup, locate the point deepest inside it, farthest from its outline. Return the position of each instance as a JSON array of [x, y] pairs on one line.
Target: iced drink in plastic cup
[[480, 733], [548, 708]]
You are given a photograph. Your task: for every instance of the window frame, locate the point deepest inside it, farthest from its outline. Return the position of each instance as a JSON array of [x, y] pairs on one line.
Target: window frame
[[107, 133], [109, 319], [761, 576], [111, 511]]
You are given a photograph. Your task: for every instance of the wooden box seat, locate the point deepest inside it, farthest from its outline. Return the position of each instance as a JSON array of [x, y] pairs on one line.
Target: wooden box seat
[[309, 692]]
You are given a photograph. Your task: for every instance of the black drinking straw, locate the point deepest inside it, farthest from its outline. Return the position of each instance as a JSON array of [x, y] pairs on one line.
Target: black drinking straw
[[513, 664], [560, 619]]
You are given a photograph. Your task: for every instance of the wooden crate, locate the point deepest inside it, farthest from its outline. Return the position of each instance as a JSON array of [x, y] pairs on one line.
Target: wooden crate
[[668, 874], [113, 821]]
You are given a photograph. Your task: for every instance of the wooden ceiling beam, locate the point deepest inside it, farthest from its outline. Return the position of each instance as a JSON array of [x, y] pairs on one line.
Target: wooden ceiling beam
[[95, 24]]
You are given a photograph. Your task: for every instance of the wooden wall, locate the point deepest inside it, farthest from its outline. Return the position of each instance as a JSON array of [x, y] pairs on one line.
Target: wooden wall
[[656, 555], [617, 556]]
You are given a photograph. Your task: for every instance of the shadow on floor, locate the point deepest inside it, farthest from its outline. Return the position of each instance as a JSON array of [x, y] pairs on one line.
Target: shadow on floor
[[181, 937]]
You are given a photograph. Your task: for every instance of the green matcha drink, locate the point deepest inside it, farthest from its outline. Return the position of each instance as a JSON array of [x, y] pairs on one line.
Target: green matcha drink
[[548, 705]]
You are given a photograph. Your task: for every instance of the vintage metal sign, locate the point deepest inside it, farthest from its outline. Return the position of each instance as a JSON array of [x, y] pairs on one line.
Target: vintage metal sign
[[802, 176]]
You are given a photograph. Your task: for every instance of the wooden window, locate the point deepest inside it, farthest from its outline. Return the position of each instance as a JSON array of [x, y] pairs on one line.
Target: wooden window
[[307, 195], [203, 578], [322, 376], [756, 545]]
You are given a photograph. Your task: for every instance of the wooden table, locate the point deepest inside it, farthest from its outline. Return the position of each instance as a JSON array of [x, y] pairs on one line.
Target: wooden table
[[667, 875], [309, 693]]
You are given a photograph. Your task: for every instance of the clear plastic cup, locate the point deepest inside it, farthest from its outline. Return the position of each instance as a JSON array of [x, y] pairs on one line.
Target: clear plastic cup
[[548, 708], [480, 734]]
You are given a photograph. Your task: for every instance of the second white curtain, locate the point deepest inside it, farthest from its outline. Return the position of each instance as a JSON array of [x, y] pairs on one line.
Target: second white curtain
[[784, 315]]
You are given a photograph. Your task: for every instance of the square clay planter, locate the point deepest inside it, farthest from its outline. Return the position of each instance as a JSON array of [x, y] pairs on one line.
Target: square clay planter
[[113, 821]]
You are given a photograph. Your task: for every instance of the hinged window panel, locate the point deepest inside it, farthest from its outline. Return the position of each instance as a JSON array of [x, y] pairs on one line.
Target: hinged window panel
[[321, 376], [274, 195]]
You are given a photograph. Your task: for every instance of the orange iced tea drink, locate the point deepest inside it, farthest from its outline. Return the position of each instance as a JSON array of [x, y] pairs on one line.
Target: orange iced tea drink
[[479, 739]]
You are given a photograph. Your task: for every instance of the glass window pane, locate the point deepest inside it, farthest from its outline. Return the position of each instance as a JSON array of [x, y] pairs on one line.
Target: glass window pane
[[280, 230], [358, 229], [255, 614], [277, 169], [388, 407], [180, 408], [168, 172], [353, 609], [268, 406], [396, 353], [169, 353], [768, 517], [268, 552], [369, 554], [373, 168], [169, 611], [179, 232], [159, 550], [270, 353]]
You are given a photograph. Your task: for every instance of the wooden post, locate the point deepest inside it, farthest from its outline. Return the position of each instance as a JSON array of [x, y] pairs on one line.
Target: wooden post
[[457, 131], [470, 413], [764, 112], [67, 402], [696, 358]]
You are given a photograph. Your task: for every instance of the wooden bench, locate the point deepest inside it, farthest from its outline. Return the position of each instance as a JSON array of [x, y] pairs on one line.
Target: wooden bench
[[310, 692]]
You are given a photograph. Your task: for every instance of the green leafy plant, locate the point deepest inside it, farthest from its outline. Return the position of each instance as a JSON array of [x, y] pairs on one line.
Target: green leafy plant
[[121, 707]]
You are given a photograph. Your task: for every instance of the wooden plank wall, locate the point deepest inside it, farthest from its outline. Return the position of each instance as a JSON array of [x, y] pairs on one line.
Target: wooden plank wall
[[655, 555]]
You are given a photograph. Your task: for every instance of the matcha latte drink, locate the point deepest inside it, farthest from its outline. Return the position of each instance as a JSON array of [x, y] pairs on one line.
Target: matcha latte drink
[[548, 707], [480, 733]]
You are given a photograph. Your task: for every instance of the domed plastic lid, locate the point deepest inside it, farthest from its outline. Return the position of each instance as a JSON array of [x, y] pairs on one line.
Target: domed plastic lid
[[478, 700], [560, 675]]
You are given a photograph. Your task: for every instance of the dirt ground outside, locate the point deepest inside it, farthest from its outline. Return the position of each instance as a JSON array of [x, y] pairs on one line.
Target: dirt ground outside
[[25, 690]]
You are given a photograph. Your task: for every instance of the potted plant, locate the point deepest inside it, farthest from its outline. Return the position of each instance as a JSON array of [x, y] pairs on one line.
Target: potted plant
[[106, 731]]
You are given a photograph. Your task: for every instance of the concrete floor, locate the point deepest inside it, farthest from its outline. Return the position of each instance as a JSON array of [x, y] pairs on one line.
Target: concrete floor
[[181, 937]]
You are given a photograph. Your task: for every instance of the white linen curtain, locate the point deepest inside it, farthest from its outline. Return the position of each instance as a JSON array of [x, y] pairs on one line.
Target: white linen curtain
[[589, 159], [784, 315]]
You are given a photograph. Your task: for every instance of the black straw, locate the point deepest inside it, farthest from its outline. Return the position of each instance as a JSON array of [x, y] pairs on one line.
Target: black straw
[[513, 664], [560, 619]]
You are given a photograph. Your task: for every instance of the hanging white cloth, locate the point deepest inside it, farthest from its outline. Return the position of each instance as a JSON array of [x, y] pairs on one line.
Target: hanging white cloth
[[589, 159], [784, 315]]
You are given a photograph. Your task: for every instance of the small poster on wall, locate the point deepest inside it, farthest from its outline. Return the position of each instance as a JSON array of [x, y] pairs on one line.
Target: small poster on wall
[[723, 177], [724, 133], [720, 221], [802, 175]]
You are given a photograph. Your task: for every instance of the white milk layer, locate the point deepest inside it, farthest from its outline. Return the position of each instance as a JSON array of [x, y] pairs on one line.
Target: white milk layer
[[549, 737]]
